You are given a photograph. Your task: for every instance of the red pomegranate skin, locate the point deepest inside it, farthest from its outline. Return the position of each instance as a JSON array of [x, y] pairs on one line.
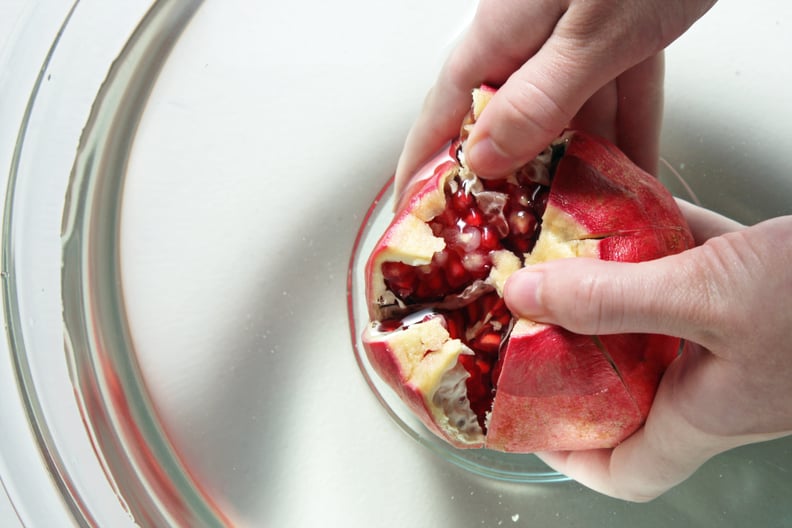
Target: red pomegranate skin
[[471, 372]]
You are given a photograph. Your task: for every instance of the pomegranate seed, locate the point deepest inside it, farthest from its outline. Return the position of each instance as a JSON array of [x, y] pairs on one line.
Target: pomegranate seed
[[490, 303], [471, 231], [446, 218], [476, 389], [489, 239], [456, 274], [469, 362], [451, 236], [540, 199], [488, 343], [425, 269], [440, 258], [396, 270], [483, 366], [474, 218], [473, 311], [461, 200], [520, 197], [431, 285], [470, 239], [399, 277], [453, 327], [522, 245], [522, 222], [476, 264]]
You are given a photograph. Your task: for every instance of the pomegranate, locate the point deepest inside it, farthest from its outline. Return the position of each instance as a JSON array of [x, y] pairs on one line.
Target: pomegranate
[[441, 335]]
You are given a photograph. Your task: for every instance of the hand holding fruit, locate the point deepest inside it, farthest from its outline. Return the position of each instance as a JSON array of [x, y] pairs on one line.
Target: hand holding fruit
[[593, 65], [597, 65], [731, 298], [440, 334]]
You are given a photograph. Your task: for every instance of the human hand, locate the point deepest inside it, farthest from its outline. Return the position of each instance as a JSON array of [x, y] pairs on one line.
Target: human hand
[[730, 298], [590, 64]]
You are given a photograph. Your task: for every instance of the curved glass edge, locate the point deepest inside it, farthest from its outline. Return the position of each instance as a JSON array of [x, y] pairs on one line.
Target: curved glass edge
[[518, 468], [13, 324], [120, 417]]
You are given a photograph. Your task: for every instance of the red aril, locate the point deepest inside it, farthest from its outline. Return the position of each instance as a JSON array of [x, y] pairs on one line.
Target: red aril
[[441, 335]]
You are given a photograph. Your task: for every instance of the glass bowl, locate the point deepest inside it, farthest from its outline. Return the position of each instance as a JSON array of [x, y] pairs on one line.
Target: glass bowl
[[183, 197]]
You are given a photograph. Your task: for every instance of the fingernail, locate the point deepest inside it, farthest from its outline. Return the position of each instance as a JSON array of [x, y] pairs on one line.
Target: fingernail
[[522, 293], [486, 158]]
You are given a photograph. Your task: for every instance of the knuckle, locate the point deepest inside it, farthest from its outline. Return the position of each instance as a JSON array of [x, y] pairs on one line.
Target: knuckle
[[593, 309], [715, 279]]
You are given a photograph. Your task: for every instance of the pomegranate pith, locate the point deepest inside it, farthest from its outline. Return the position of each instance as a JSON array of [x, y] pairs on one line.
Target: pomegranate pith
[[441, 334]]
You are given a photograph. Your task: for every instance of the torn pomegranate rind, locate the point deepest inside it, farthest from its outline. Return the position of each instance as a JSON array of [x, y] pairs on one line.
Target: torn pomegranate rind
[[441, 336]]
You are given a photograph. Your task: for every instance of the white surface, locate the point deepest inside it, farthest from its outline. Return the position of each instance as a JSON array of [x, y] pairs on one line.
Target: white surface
[[247, 221], [728, 108], [8, 516], [266, 137]]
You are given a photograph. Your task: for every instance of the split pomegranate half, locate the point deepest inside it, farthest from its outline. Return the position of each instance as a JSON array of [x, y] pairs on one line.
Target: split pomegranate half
[[441, 335]]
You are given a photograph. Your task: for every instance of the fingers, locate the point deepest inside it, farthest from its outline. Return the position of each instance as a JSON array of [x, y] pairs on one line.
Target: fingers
[[595, 297], [549, 58], [660, 455], [730, 387], [714, 294], [680, 295], [590, 46], [641, 468], [676, 438], [439, 121], [496, 45], [529, 111], [628, 112], [640, 112], [706, 224]]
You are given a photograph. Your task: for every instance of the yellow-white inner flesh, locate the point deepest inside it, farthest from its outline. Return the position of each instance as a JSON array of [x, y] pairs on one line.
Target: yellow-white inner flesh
[[429, 363]]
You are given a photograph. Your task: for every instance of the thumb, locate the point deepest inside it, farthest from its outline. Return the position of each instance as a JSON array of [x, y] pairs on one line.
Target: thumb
[[528, 112], [671, 295], [545, 94]]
